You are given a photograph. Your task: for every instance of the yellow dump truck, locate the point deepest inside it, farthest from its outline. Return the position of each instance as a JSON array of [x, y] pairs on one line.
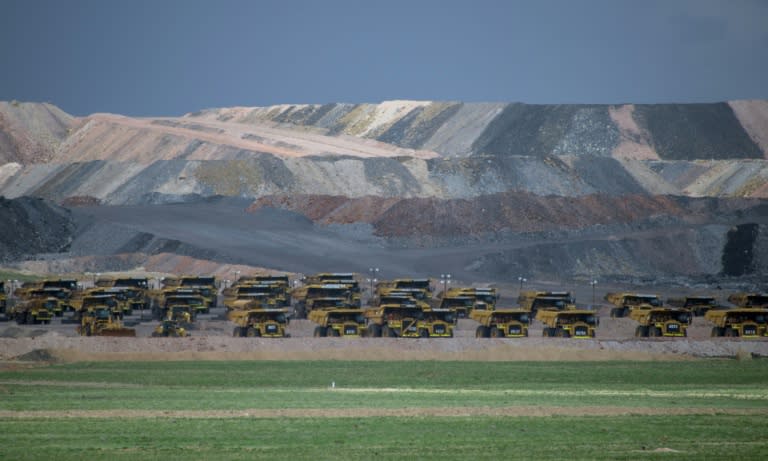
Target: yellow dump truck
[[251, 301], [180, 313], [68, 285], [269, 291], [203, 285], [122, 304], [436, 323], [393, 320], [346, 322], [501, 323], [169, 328], [36, 310], [482, 298], [625, 303], [579, 324], [421, 288], [461, 304], [305, 296], [759, 300], [408, 320], [266, 323], [533, 301], [88, 301], [56, 298], [399, 296], [101, 322], [338, 278], [135, 289], [698, 305], [739, 322], [661, 321], [193, 303], [279, 286]]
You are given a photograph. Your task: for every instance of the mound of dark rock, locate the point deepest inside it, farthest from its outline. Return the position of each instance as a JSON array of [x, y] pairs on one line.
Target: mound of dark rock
[[37, 355], [31, 226]]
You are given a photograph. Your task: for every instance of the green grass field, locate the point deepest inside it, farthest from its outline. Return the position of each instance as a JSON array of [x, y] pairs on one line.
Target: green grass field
[[708, 409]]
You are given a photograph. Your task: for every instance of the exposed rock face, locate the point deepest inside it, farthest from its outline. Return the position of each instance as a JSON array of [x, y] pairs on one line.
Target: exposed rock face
[[668, 131], [31, 132], [396, 149]]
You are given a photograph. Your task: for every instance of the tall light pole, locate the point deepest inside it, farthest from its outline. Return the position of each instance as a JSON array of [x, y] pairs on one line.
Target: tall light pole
[[370, 289], [522, 280], [593, 282], [445, 279], [372, 278]]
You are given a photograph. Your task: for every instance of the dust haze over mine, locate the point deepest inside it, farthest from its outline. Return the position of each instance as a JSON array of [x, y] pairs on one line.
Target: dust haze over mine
[[651, 194]]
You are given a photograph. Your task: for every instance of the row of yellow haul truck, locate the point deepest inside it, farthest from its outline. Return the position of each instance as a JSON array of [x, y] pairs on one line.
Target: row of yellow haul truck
[[263, 305], [100, 309], [408, 308]]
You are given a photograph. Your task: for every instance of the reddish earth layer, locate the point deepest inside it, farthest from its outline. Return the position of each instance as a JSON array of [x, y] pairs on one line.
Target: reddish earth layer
[[512, 211]]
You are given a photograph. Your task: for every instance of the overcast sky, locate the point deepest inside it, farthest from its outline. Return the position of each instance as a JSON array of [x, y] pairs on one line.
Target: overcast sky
[[169, 57]]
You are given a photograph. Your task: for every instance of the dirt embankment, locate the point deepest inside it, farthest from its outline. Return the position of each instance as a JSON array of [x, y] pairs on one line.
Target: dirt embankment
[[67, 349], [511, 211]]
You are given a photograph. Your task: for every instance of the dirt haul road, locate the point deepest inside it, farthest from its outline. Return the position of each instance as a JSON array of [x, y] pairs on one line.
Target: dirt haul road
[[211, 340]]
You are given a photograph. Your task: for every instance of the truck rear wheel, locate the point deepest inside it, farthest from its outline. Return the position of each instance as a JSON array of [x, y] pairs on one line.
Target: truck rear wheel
[[482, 332], [496, 333], [716, 332], [374, 330], [236, 332], [331, 332], [319, 332], [251, 332]]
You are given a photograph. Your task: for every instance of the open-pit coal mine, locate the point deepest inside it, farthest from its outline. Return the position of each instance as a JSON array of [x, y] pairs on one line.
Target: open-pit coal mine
[[668, 198]]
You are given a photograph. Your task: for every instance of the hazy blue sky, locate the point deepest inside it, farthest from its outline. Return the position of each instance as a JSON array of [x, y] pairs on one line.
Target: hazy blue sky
[[168, 57]]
